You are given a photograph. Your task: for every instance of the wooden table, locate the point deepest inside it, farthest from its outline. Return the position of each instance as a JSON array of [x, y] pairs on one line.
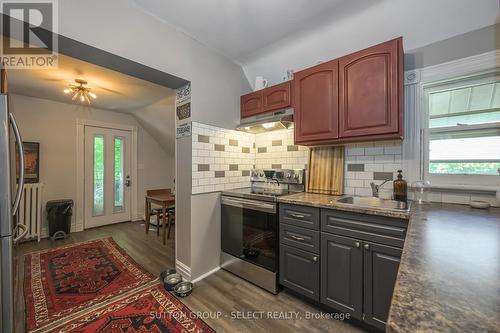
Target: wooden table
[[163, 200]]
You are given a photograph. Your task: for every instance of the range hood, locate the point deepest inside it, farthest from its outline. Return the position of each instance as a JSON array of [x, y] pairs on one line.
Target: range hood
[[267, 122]]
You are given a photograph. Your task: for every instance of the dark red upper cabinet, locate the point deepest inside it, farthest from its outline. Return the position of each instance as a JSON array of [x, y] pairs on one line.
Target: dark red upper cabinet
[[370, 92], [251, 104], [277, 97], [266, 100], [316, 103]]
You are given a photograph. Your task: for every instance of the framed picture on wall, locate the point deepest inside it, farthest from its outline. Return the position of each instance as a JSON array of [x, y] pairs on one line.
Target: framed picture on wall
[[31, 162]]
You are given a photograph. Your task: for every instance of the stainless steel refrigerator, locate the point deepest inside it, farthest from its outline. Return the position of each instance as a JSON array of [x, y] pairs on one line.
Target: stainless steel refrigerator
[[11, 187]]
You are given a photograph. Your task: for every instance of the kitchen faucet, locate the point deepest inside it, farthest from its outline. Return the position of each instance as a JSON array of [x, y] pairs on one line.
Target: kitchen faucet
[[376, 188]]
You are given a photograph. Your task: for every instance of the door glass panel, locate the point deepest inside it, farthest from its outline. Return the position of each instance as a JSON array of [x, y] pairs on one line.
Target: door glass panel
[[98, 205], [119, 178]]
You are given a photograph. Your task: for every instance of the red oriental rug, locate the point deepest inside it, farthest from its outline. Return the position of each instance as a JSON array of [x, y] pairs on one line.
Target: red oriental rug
[[62, 281], [150, 309]]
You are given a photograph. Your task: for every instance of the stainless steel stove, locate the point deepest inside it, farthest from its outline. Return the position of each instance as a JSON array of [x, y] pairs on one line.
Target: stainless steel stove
[[249, 225]]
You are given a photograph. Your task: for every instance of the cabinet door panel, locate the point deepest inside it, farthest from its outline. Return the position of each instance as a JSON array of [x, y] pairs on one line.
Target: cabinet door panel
[[316, 103], [370, 85], [342, 274], [299, 271], [251, 104], [276, 97], [381, 265]]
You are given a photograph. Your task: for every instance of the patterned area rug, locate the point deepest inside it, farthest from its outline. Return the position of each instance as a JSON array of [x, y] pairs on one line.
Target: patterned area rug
[[151, 309], [63, 281]]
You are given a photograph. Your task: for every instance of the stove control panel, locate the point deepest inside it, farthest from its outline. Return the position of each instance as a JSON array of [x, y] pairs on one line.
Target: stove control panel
[[284, 176]]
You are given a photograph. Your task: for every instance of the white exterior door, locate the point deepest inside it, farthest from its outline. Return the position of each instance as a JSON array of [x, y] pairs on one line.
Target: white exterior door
[[107, 176]]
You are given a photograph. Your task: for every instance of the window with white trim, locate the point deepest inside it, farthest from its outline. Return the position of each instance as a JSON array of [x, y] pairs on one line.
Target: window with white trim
[[462, 138]]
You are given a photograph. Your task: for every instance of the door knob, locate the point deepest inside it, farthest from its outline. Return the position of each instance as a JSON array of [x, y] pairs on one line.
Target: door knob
[[315, 259], [357, 244], [367, 247]]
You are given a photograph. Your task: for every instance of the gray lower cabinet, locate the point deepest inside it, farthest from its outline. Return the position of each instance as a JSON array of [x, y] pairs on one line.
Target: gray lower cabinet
[[344, 260], [381, 265], [299, 271], [342, 274]]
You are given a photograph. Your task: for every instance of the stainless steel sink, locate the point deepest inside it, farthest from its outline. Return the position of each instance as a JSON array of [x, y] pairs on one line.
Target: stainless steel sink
[[375, 203]]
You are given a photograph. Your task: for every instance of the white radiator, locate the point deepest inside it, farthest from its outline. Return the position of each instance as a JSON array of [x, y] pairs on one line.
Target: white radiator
[[30, 210]]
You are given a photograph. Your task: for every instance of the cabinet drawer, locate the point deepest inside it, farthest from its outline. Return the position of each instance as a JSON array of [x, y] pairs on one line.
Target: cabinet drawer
[[379, 229], [300, 216], [299, 271], [305, 239]]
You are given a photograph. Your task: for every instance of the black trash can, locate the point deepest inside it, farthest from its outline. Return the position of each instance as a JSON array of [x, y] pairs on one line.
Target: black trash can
[[59, 214]]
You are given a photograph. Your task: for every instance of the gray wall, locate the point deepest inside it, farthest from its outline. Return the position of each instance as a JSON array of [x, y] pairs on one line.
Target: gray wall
[[471, 43]]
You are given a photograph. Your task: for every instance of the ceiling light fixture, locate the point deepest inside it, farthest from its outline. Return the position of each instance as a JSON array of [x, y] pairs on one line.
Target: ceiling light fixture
[[80, 91]]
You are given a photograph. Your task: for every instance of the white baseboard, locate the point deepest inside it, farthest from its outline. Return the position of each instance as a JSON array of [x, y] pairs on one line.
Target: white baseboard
[[205, 275], [183, 269]]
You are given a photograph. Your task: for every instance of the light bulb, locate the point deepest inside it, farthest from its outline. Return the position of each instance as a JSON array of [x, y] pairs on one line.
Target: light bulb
[[82, 98], [67, 91], [94, 96]]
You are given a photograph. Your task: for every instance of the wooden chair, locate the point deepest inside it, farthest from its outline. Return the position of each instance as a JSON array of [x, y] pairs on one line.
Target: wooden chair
[[171, 220], [157, 211]]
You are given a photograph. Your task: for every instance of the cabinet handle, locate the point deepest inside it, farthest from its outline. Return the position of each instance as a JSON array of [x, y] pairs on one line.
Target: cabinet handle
[[357, 244], [315, 259], [367, 247], [300, 239], [297, 216]]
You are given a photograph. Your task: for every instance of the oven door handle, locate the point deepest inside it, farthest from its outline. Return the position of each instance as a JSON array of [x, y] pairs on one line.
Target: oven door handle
[[249, 204]]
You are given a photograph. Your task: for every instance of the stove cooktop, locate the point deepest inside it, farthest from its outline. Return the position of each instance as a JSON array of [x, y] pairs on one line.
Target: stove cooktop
[[256, 193]]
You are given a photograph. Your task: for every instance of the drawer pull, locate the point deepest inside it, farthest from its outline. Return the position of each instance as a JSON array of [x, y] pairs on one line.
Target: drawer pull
[[297, 216], [300, 239]]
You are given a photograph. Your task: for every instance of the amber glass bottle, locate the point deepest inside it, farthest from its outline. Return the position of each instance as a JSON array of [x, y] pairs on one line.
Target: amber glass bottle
[[400, 188]]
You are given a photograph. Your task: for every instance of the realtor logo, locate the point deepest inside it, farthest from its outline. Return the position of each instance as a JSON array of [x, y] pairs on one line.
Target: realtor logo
[[29, 30]]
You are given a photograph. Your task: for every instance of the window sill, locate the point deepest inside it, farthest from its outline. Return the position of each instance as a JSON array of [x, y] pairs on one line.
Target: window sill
[[458, 188]]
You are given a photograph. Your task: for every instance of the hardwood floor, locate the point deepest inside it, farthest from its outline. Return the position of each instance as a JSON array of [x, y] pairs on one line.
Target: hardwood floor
[[218, 298]]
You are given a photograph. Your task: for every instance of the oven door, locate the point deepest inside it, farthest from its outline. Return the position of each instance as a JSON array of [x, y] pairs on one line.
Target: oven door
[[249, 231]]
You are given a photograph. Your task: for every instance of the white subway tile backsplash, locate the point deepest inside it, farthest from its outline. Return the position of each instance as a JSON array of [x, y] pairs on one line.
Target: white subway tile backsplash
[[396, 149], [374, 167], [374, 151], [354, 183], [364, 175], [375, 156], [383, 159], [392, 167], [355, 151], [238, 149]]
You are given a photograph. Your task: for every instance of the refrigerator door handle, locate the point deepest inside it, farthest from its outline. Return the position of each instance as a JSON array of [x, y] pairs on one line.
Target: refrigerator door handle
[[19, 143], [23, 233]]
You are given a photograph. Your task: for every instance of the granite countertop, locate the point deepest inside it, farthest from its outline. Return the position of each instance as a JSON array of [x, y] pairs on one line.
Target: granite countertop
[[449, 276], [331, 201]]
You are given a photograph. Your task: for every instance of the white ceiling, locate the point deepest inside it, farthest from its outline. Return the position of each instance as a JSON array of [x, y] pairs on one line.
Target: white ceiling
[[239, 27], [115, 91]]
